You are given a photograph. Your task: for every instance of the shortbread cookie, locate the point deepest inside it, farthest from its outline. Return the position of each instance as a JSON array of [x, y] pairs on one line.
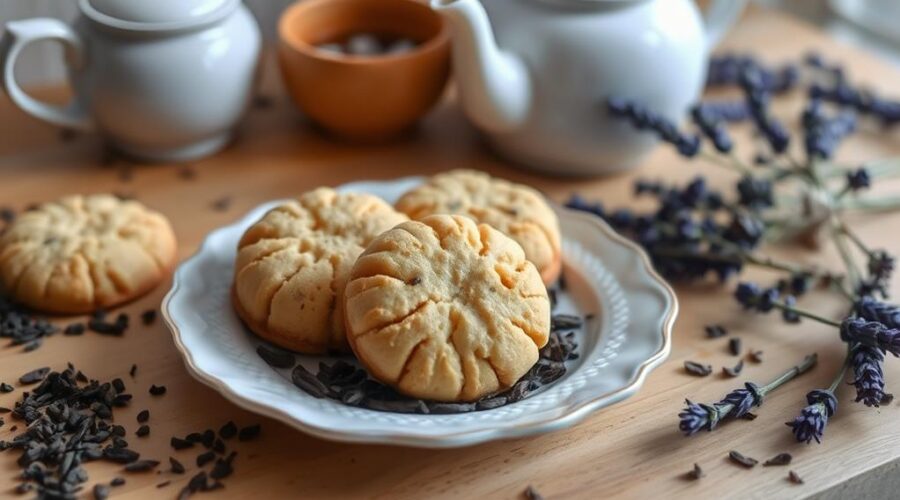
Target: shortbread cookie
[[292, 266], [85, 252], [515, 209], [446, 309]]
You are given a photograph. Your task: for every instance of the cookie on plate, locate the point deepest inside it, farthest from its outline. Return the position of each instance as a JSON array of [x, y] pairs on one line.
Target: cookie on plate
[[82, 253], [446, 309], [515, 209], [292, 266]]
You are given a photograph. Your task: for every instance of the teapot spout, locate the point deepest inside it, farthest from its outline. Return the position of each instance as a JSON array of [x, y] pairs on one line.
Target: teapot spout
[[494, 85]]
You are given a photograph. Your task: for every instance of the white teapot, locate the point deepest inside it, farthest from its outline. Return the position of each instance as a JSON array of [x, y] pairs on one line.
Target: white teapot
[[534, 75], [161, 80]]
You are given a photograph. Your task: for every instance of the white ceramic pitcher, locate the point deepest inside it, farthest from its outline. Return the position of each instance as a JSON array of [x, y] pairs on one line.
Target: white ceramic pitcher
[[534, 75], [161, 80]]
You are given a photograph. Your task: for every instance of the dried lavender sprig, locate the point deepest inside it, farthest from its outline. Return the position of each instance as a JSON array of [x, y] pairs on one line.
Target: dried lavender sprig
[[873, 310], [868, 375], [696, 417], [822, 404]]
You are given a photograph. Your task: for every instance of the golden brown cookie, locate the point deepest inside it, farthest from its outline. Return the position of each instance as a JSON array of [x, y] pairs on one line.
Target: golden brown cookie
[[292, 266], [446, 309], [85, 252], [515, 209]]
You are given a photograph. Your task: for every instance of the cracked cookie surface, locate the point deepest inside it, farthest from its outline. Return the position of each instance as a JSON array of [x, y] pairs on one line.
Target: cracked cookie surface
[[82, 253], [517, 210], [292, 266], [446, 309]]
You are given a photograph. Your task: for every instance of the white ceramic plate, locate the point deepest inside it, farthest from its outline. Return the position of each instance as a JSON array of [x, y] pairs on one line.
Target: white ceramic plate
[[629, 335]]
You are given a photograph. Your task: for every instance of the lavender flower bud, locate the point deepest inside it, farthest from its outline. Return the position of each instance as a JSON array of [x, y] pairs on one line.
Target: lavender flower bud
[[742, 400], [871, 334], [696, 417], [881, 265], [811, 422], [869, 377], [873, 310]]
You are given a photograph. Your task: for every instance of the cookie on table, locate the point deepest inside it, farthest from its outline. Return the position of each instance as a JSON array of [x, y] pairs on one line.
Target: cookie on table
[[293, 263], [82, 253], [446, 309], [515, 209]]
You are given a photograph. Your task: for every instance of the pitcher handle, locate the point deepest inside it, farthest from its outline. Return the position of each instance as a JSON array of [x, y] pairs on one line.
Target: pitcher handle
[[18, 35], [719, 18]]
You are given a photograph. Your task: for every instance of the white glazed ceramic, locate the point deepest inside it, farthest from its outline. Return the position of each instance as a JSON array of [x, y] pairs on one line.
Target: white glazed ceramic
[[161, 80], [606, 274], [534, 75]]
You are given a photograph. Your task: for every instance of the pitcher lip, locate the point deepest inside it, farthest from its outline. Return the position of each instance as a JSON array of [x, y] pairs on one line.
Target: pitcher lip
[[108, 21]]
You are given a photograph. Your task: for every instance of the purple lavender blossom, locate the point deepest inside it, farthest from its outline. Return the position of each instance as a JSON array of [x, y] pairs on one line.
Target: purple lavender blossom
[[871, 334], [873, 310], [696, 417], [742, 400], [869, 377], [811, 422]]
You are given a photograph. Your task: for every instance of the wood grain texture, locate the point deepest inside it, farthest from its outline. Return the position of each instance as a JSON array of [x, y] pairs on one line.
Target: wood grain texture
[[631, 450]]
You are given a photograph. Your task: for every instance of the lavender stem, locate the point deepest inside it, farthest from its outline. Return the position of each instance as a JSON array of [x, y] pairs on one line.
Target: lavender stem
[[808, 362]]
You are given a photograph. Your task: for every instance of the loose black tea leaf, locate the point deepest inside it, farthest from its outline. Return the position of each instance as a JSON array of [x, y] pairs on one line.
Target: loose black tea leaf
[[697, 369], [75, 329], [143, 431], [221, 470], [175, 466], [157, 390], [5, 388], [249, 432], [228, 431], [148, 317], [560, 322], [756, 356], [34, 376], [276, 358], [715, 331], [531, 493], [143, 416], [749, 416], [695, 473], [302, 378], [205, 458], [794, 477], [187, 173], [132, 371], [733, 371], [141, 465], [207, 438], [163, 484], [740, 459], [779, 459], [219, 446], [117, 481], [887, 398], [734, 346], [120, 455], [180, 444]]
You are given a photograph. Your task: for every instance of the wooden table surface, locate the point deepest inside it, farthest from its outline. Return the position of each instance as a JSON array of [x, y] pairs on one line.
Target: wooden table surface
[[632, 449]]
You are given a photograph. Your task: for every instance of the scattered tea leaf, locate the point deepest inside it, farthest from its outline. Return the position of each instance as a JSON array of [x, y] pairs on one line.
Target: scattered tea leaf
[[734, 346], [740, 459], [157, 390], [697, 369], [276, 358], [715, 331], [142, 465], [794, 477], [531, 493], [756, 356], [228, 431], [175, 466], [249, 432], [779, 459], [695, 473], [733, 371]]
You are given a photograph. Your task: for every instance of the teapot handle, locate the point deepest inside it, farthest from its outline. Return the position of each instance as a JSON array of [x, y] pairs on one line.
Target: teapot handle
[[719, 18], [18, 35]]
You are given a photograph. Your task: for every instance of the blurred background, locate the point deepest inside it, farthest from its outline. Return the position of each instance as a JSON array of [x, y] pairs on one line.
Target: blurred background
[[870, 24]]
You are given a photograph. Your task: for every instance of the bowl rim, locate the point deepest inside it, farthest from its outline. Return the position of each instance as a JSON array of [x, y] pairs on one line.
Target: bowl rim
[[288, 38]]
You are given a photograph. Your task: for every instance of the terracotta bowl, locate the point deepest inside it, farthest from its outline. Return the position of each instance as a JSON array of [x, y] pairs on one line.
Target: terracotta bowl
[[363, 97]]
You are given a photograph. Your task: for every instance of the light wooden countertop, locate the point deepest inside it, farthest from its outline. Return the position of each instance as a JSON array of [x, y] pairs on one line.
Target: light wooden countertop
[[632, 449]]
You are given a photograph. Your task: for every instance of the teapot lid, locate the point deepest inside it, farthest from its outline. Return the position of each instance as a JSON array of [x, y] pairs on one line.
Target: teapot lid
[[156, 14]]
